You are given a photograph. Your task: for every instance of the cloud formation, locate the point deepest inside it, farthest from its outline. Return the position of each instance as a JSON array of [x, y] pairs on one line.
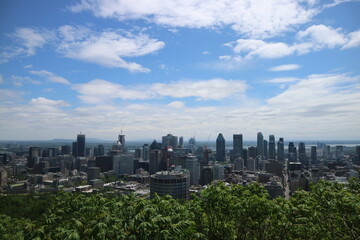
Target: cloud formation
[[107, 48], [314, 38], [286, 67], [98, 91], [51, 77], [255, 18]]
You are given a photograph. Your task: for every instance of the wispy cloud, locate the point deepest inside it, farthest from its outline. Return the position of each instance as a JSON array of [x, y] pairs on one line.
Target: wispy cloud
[[282, 80], [51, 77], [97, 91], [45, 101], [286, 67], [19, 81]]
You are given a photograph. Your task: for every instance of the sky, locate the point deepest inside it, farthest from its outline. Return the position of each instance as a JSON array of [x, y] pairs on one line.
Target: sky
[[186, 67]]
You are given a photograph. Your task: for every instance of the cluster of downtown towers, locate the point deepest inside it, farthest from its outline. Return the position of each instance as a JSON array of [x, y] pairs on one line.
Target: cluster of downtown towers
[[264, 149]]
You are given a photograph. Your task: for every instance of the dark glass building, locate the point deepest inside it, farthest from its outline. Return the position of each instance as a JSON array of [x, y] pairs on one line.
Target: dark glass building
[[220, 148]]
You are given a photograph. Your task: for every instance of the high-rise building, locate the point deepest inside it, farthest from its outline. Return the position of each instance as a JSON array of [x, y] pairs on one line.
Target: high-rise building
[[170, 141], [155, 159], [265, 149], [292, 156], [260, 145], [218, 172], [339, 152], [281, 151], [193, 166], [34, 153], [237, 145], [74, 149], [326, 152], [146, 152], [123, 164], [272, 152], [192, 145], [174, 183], [121, 141], [220, 148], [313, 155], [302, 153], [252, 152], [80, 145], [65, 150], [357, 155], [181, 142]]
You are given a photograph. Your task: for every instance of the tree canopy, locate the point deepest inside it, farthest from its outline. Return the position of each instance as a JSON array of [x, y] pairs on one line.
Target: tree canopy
[[328, 211]]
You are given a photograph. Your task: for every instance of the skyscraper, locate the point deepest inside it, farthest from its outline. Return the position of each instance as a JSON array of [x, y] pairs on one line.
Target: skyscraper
[[265, 149], [280, 147], [80, 145], [272, 147], [313, 155], [181, 142], [34, 152], [260, 145], [292, 152], [170, 141], [237, 145], [121, 140], [220, 148], [192, 145], [302, 153]]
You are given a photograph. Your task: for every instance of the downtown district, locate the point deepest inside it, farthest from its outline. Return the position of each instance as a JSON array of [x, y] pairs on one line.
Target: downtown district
[[172, 167]]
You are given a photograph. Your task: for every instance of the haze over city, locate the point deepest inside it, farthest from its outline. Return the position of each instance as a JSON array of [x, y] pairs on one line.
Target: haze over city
[[191, 68]]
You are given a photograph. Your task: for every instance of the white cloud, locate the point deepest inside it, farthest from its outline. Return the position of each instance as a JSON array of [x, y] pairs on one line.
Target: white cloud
[[353, 40], [214, 89], [205, 53], [28, 66], [314, 38], [97, 91], [45, 101], [282, 80], [286, 67], [31, 38], [176, 104], [107, 48], [254, 18], [50, 77], [322, 36]]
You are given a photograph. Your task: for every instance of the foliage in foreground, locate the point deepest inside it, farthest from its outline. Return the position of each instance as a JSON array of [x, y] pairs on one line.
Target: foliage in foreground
[[328, 211]]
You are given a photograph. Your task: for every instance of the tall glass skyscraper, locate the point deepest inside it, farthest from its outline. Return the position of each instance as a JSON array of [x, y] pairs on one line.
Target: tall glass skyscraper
[[271, 146], [220, 148], [237, 145], [260, 145], [281, 151], [80, 145]]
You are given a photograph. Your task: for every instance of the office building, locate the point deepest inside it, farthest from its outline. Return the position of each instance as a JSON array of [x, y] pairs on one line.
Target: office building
[[218, 172], [146, 152], [93, 173], [281, 151], [170, 141], [292, 152], [237, 145], [266, 149], [181, 142], [80, 145], [192, 145], [121, 141], [272, 152], [302, 153], [154, 161], [220, 148], [193, 166], [260, 145], [313, 155], [339, 152], [123, 164], [173, 183], [34, 155]]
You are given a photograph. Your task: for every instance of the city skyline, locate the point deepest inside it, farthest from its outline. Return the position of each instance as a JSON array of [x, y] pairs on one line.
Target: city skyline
[[193, 68]]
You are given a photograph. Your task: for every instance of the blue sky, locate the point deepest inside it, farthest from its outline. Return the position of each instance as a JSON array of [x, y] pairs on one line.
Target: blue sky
[[191, 68]]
